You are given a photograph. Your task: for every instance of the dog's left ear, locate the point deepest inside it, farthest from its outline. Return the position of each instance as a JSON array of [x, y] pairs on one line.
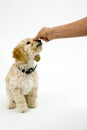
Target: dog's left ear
[[37, 58]]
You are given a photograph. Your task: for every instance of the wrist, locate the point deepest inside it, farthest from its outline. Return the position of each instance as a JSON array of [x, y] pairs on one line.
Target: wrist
[[51, 33]]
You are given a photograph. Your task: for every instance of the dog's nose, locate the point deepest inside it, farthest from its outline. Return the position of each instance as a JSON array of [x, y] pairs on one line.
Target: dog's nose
[[39, 41]]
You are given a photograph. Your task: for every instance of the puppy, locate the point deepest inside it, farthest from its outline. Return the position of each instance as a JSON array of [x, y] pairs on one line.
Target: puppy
[[22, 78]]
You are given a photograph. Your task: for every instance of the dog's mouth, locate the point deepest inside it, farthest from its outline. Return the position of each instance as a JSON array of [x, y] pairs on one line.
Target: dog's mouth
[[39, 43]]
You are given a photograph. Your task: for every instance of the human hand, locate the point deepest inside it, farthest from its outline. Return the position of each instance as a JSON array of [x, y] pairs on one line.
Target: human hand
[[43, 34]]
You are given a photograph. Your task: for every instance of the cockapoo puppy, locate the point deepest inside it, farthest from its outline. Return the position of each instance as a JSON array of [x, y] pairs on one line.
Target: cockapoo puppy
[[22, 78]]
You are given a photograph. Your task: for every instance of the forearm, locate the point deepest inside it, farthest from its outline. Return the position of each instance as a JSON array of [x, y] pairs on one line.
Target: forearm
[[75, 29]]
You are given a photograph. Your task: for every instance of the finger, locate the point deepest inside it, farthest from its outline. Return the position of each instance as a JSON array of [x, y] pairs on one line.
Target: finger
[[45, 39]]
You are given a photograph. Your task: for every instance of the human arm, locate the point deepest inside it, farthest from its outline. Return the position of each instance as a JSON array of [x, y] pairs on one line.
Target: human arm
[[74, 29]]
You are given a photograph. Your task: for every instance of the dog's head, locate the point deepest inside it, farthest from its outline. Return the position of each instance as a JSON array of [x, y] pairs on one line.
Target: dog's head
[[26, 49]]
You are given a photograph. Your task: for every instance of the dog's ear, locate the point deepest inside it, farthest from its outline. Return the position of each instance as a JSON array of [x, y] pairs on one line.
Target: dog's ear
[[37, 58], [19, 54]]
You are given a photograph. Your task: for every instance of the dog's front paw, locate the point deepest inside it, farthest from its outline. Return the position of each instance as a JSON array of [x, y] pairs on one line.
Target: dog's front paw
[[32, 105], [11, 105], [23, 108]]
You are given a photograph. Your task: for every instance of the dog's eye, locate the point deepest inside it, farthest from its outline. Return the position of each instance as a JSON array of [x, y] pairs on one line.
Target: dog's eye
[[27, 43]]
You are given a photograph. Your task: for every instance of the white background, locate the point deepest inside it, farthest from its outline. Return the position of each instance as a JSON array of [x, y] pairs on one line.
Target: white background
[[62, 95]]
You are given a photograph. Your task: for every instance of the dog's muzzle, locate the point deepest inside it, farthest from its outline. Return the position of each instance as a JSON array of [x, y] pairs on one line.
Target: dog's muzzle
[[39, 43]]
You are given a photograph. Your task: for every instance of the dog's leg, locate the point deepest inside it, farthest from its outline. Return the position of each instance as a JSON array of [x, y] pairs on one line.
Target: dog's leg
[[32, 98], [19, 99], [11, 104]]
